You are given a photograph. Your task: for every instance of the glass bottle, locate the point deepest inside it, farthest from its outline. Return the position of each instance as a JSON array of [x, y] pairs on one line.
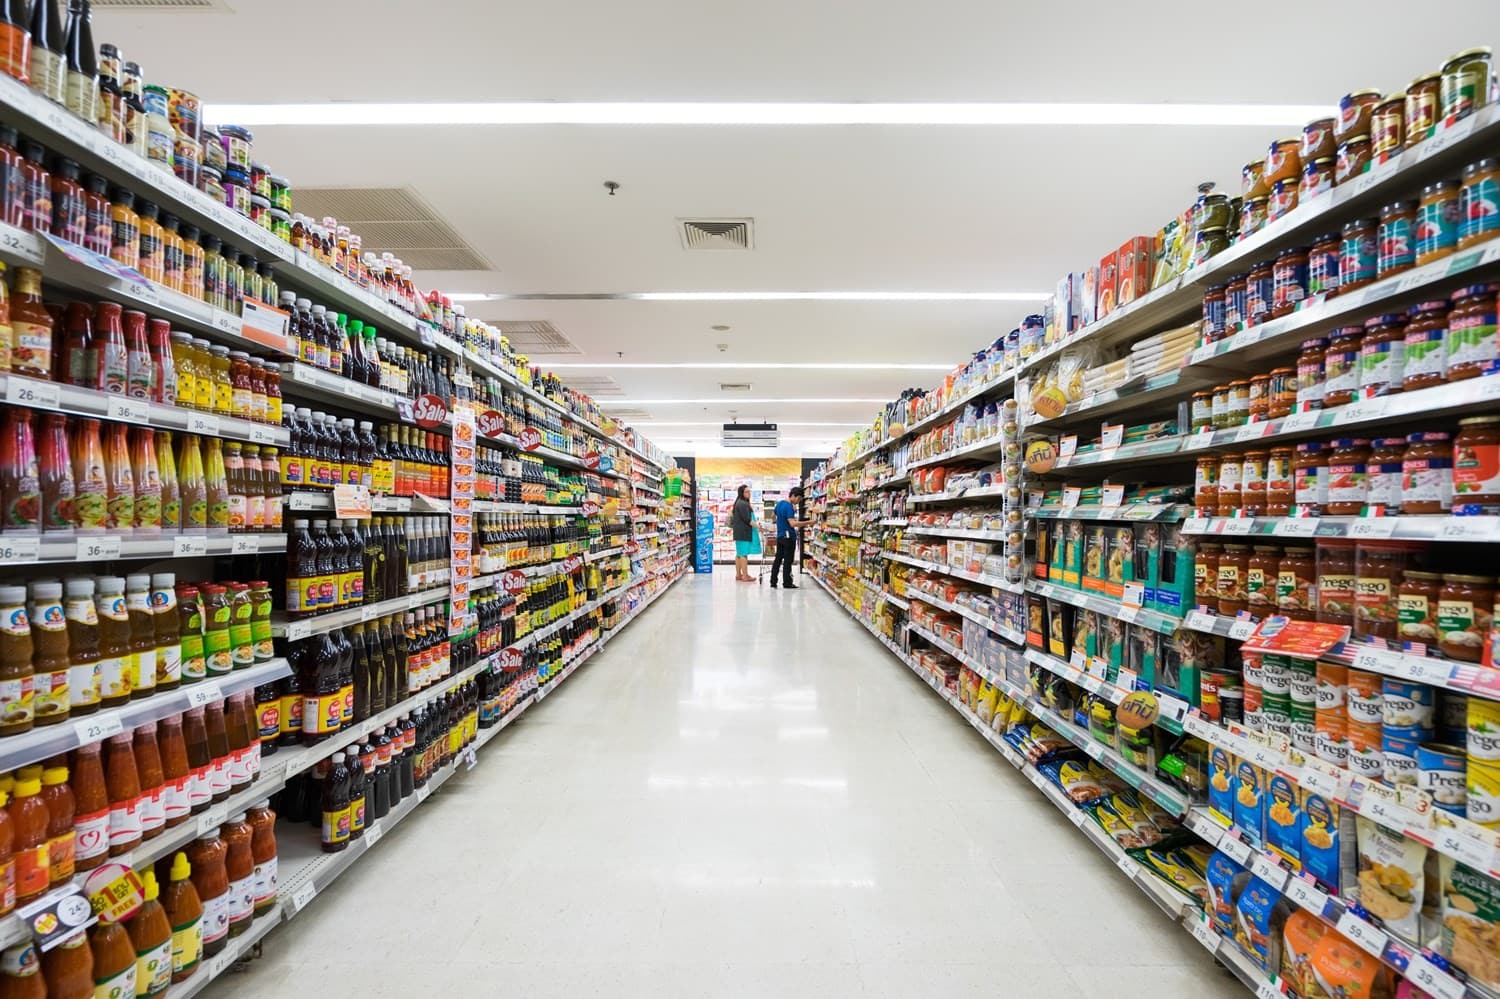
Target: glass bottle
[[48, 73], [82, 93]]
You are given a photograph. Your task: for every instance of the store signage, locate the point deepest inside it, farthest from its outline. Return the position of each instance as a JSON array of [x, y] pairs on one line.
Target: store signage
[[571, 564], [590, 508], [351, 502], [491, 423], [1303, 639], [510, 658], [513, 581], [1138, 710], [632, 547], [591, 460], [530, 439], [429, 411]]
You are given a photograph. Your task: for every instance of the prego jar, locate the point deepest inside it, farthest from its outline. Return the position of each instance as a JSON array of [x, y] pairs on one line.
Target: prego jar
[[1260, 292], [1388, 125], [1359, 254], [1427, 473], [1283, 197], [1310, 478], [1202, 411], [1348, 477], [1288, 281], [1384, 467], [1296, 584], [1253, 483], [1355, 109], [1352, 160], [1465, 84], [1473, 347], [1378, 568], [1335, 582], [1206, 575], [1282, 393], [1479, 201], [1417, 606], [1382, 354], [1438, 221], [1476, 465], [1465, 610], [1423, 103], [1206, 485], [1341, 366], [1396, 239], [1260, 580], [1231, 471], [1323, 261], [1260, 398], [1234, 304], [1280, 481], [1317, 139], [1253, 214], [1234, 570], [1426, 346], [1317, 177]]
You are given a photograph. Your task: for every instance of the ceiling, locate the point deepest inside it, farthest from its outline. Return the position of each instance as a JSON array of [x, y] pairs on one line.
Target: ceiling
[[836, 208]]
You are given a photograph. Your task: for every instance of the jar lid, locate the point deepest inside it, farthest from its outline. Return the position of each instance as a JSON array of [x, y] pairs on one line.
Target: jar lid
[[1393, 99], [1352, 139], [1319, 123], [277, 180], [1345, 332], [1357, 224], [1269, 549], [1428, 437], [1385, 442], [238, 131], [260, 201], [1209, 229], [1458, 577], [1240, 382], [1253, 166], [1438, 186], [1343, 443], [1427, 307], [1236, 548], [1310, 447], [234, 175], [1214, 288], [1420, 574], [1316, 342], [210, 172], [1481, 166], [1482, 51], [1299, 551], [1285, 142], [1479, 421], [281, 215], [1283, 372], [1399, 206], [1292, 251], [1354, 95], [1474, 291], [1417, 81], [1387, 319], [257, 167]]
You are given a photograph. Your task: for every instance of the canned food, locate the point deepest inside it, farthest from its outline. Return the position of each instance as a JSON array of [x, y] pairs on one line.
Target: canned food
[[1441, 772], [1406, 704]]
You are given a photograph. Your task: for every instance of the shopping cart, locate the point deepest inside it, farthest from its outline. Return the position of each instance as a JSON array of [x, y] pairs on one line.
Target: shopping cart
[[767, 551]]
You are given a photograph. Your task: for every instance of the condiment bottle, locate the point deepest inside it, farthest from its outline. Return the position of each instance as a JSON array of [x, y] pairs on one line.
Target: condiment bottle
[[145, 471], [218, 750], [148, 768], [151, 937], [216, 640], [68, 969], [90, 483], [152, 244], [125, 232], [119, 480], [192, 263], [216, 486], [20, 476], [21, 965], [172, 253], [91, 818], [192, 487], [29, 820], [7, 858], [142, 635], [200, 760], [206, 854], [114, 641], [55, 474], [335, 807], [140, 374], [49, 635], [99, 212], [239, 865], [36, 190], [176, 774], [171, 493], [17, 686], [185, 916], [123, 782], [31, 327], [114, 961], [58, 797], [262, 823], [190, 633]]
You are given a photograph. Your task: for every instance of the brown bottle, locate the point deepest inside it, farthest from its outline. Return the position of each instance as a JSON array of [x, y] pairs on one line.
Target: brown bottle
[[176, 774], [211, 880], [142, 635], [49, 634], [151, 936], [263, 850], [124, 784], [237, 730], [16, 679], [185, 916], [61, 807], [114, 641], [91, 812], [83, 647], [200, 760], [68, 969], [239, 865], [218, 751], [148, 768], [114, 960]]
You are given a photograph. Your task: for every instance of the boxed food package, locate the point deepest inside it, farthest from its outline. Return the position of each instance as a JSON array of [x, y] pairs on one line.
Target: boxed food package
[[1036, 622], [1259, 911], [1065, 306], [1119, 565], [1221, 784], [1283, 820], [1095, 554], [1046, 549], [1133, 266], [1299, 937], [1226, 879], [1169, 568], [1391, 878], [1059, 628], [1090, 296], [1072, 570], [1471, 921], [1344, 969], [1108, 272], [1249, 802], [1327, 847]]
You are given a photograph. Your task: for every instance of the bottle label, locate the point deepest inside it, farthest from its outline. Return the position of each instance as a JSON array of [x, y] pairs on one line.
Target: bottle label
[[215, 918], [32, 871], [33, 349], [336, 825], [153, 968], [357, 813], [291, 714], [265, 881], [237, 767], [216, 647], [1472, 339], [1425, 353], [114, 676], [241, 645], [51, 694], [239, 510], [60, 856], [187, 945], [168, 663], [241, 899], [199, 787], [218, 777], [252, 758], [17, 700], [324, 714], [194, 662], [124, 822], [269, 715], [153, 809], [120, 986], [114, 367], [177, 798], [143, 676], [1427, 480], [91, 835]]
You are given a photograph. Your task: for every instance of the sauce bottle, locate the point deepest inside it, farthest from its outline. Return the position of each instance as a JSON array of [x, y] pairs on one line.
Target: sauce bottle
[[142, 635], [218, 751], [58, 797], [123, 782], [119, 481], [91, 817], [151, 938], [241, 635], [335, 807], [55, 474], [185, 916], [90, 478], [21, 965], [165, 629], [17, 685], [263, 851], [267, 717], [176, 774], [48, 75], [254, 490], [114, 961], [239, 717], [171, 494], [145, 470], [81, 364], [140, 374], [20, 476], [192, 488], [260, 621], [358, 810], [83, 647], [211, 881], [216, 643], [29, 820], [200, 760], [237, 760], [31, 327], [302, 572], [7, 858], [49, 636], [68, 969], [152, 252], [111, 356], [172, 253], [216, 486], [192, 263], [190, 633], [152, 779], [114, 641], [99, 236], [239, 866], [70, 218], [270, 487], [125, 228]]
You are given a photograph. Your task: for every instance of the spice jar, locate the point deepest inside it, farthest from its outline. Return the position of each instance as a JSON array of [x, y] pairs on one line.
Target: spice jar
[[1221, 407], [1310, 477], [1473, 347], [1296, 584], [1479, 201], [1206, 485], [1234, 571], [1260, 291], [1253, 179], [1260, 580], [1282, 393], [1283, 197], [1341, 366], [1317, 177], [1231, 469], [1206, 575], [1465, 611], [1476, 465], [1423, 101], [1234, 304], [1335, 594], [1388, 125], [1355, 109], [1417, 606], [1253, 483], [1323, 261], [1384, 468], [1311, 377], [1438, 221], [1288, 280], [1317, 139], [1212, 327], [1427, 473], [1260, 398], [1283, 160], [1378, 568], [1465, 84], [1280, 481], [1253, 214], [1238, 412], [1425, 346], [1353, 159], [1359, 254], [1382, 353], [1348, 477], [1396, 239], [1201, 413]]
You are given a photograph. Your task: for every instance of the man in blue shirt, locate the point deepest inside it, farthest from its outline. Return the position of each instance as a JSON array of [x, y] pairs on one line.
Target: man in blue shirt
[[786, 539]]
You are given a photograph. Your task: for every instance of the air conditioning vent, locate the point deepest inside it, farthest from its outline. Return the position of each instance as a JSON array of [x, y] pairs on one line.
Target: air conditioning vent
[[626, 415], [536, 336], [734, 386], [394, 219], [179, 6], [593, 385], [717, 234]]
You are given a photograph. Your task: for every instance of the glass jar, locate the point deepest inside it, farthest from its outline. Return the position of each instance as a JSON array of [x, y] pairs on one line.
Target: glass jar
[[1238, 411], [1427, 473], [1348, 477], [1465, 84], [1211, 211], [1473, 347], [1282, 393], [1280, 481], [1438, 221], [1378, 569], [1221, 407], [1479, 202], [1425, 345], [1283, 197], [1202, 411], [186, 370], [1335, 593], [1352, 160], [1341, 366], [1476, 465], [1388, 126], [222, 398], [1323, 265], [1311, 376], [1260, 292], [1260, 580], [1317, 178], [1417, 606], [1296, 584], [1253, 180], [1231, 471], [1211, 329], [1206, 575], [1382, 355], [1317, 139], [1253, 483], [1359, 254], [1234, 304], [240, 393], [1260, 398], [1384, 489], [1423, 102], [1234, 572], [1310, 478], [1207, 243], [1396, 239], [1288, 281], [1206, 485], [1355, 109], [1253, 214], [1283, 160], [1465, 610]]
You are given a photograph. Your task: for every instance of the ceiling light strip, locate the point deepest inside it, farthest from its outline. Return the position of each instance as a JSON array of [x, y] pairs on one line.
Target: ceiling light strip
[[757, 296]]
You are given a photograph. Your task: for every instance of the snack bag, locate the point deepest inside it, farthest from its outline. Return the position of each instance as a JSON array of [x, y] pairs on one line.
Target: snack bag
[[1471, 921], [1225, 879], [1391, 877], [1299, 937]]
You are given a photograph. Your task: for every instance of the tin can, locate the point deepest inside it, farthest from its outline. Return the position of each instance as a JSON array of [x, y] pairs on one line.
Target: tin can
[[1442, 771], [1366, 751], [1483, 731], [1365, 698], [1333, 749], [1483, 794], [1400, 759], [1406, 705]]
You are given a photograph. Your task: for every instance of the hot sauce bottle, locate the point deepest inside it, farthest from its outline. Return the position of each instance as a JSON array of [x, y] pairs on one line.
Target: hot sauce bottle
[[177, 773], [263, 850], [148, 768], [68, 969], [31, 327], [206, 854], [111, 355], [185, 916], [55, 468], [151, 938], [91, 820], [29, 819], [123, 781], [146, 473], [90, 480], [239, 866], [114, 961], [20, 477], [171, 494], [119, 480], [58, 797]]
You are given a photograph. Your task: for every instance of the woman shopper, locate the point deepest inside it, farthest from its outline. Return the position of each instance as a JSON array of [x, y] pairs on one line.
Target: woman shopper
[[742, 522]]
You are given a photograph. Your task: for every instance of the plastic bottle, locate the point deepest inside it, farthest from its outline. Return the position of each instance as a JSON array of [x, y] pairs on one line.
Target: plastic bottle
[[171, 494], [206, 856], [151, 936], [142, 635], [119, 481], [166, 630], [114, 641], [192, 486], [83, 647], [185, 916], [239, 865], [241, 635], [55, 474], [176, 773], [152, 779], [216, 642], [236, 730], [29, 820], [49, 664], [91, 815], [17, 683], [114, 961], [140, 374], [124, 785], [335, 807], [163, 361], [58, 797], [216, 485], [200, 760], [263, 851], [90, 480], [358, 803], [68, 969], [146, 473], [20, 476], [111, 356], [218, 751]]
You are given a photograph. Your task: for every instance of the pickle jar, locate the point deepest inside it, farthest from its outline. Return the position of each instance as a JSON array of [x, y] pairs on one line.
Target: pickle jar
[[1465, 84], [1438, 221], [1207, 243], [1396, 238], [1341, 366], [1382, 355], [1237, 413], [1221, 407], [1202, 411], [1479, 202], [1426, 346]]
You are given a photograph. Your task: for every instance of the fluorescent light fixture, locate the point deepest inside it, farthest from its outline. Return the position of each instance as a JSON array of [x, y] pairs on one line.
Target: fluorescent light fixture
[[757, 296], [809, 365], [469, 296], [720, 423], [722, 401], [758, 113]]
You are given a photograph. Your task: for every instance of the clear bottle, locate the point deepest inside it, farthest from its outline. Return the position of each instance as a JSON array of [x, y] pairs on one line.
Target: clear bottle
[[142, 635], [83, 647], [114, 641]]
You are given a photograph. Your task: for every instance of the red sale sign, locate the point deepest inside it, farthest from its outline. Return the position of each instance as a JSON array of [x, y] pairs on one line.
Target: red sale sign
[[591, 460], [590, 508], [510, 658], [429, 411], [490, 423], [530, 439], [513, 581], [572, 564]]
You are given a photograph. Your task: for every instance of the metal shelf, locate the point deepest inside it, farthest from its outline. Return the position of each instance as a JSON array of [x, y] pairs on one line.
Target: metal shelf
[[294, 630], [1437, 527], [22, 549]]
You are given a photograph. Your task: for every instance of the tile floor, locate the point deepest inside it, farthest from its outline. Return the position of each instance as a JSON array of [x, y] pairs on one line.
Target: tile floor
[[744, 795]]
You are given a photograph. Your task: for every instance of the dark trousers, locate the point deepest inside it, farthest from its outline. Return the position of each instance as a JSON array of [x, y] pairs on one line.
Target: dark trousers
[[786, 554]]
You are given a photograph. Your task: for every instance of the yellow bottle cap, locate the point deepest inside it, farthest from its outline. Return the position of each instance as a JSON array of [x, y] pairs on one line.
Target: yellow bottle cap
[[148, 882], [27, 788], [4, 797], [181, 869], [32, 772], [53, 776]]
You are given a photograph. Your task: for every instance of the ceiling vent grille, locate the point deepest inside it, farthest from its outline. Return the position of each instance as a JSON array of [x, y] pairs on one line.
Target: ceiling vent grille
[[734, 387], [627, 414], [536, 336], [594, 385], [717, 234], [181, 6], [397, 220]]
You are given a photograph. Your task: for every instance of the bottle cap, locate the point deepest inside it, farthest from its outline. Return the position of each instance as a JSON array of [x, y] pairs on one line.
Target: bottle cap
[[53, 776], [27, 788], [148, 882]]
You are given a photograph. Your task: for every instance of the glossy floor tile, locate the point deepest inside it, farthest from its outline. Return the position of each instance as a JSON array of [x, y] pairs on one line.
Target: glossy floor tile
[[743, 795]]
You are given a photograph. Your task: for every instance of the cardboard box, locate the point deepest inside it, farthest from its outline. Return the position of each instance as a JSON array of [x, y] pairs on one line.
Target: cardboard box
[[1072, 567], [1095, 557], [1059, 628], [1065, 318], [1090, 301], [1036, 622], [1170, 569], [1105, 285], [1119, 563], [1133, 266]]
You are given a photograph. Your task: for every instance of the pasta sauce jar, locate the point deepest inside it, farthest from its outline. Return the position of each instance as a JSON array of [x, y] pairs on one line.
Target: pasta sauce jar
[[1310, 374], [1384, 468], [1335, 582], [1382, 355], [1427, 473], [1425, 346], [1348, 477], [1465, 612], [1476, 466], [1280, 482], [1473, 347], [1310, 475], [1341, 366], [1359, 254]]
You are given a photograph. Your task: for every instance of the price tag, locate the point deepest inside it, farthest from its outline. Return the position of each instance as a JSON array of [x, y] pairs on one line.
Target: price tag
[[104, 549], [1067, 446], [1299, 422], [26, 248], [1470, 849], [298, 630], [186, 545], [1252, 431], [1373, 527], [1362, 933], [200, 694], [1078, 661], [1296, 527], [1078, 817], [1241, 629], [1093, 749], [1269, 990], [424, 792], [1199, 620], [1445, 138], [1268, 871], [260, 434], [1237, 525], [1128, 865], [1306, 894], [212, 819], [1359, 412], [98, 728], [203, 423], [1172, 708], [1433, 980], [14, 550], [1195, 725], [303, 895], [1375, 660], [1326, 784], [373, 833], [1071, 495], [1112, 496], [1265, 757], [1203, 931], [1467, 529], [1195, 525], [1236, 849], [34, 394], [127, 410], [244, 545], [1112, 435]]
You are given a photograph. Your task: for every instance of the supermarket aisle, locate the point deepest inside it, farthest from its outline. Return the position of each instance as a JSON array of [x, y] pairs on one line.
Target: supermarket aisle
[[744, 795]]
